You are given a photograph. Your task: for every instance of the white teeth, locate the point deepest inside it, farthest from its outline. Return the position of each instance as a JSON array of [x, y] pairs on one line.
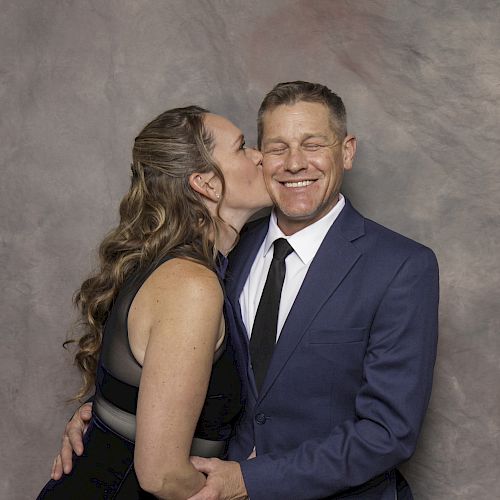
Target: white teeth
[[297, 184]]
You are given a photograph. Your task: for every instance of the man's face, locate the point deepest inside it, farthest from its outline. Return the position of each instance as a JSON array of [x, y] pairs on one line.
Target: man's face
[[304, 163]]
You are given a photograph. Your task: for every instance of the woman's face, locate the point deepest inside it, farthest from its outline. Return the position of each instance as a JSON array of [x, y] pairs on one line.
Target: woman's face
[[241, 167]]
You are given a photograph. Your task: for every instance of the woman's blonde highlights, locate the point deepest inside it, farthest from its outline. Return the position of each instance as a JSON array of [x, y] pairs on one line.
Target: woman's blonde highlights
[[159, 215]]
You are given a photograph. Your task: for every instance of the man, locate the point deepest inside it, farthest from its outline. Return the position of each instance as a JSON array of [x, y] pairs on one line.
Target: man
[[336, 400]]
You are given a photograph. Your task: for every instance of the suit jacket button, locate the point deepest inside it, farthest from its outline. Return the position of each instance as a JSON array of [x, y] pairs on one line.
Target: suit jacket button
[[260, 418]]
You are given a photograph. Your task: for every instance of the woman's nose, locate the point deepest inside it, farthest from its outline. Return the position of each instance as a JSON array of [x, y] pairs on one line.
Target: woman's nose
[[256, 156]]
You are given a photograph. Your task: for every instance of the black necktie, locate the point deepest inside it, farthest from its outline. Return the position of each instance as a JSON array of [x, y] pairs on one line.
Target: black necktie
[[263, 337]]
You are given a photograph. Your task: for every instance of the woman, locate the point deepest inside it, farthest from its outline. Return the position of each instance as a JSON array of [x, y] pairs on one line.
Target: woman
[[157, 325]]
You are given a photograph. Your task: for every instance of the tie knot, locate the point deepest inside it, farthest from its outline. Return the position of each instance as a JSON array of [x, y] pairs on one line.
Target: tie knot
[[282, 249]]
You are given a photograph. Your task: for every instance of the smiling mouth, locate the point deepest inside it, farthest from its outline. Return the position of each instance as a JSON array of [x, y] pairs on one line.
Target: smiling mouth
[[297, 184]]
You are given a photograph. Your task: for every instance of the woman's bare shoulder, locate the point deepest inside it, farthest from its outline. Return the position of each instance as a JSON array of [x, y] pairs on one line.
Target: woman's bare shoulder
[[185, 279], [178, 295]]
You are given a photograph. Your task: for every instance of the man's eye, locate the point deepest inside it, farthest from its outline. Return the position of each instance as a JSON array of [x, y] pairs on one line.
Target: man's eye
[[243, 145], [275, 151], [312, 147]]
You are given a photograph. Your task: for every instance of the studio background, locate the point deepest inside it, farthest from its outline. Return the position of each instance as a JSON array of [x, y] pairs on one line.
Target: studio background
[[421, 83]]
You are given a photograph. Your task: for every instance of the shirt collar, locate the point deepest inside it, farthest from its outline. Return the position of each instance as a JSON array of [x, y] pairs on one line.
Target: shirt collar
[[306, 242]]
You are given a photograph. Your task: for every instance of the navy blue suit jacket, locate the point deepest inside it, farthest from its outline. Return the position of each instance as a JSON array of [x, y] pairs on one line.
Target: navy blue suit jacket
[[350, 378]]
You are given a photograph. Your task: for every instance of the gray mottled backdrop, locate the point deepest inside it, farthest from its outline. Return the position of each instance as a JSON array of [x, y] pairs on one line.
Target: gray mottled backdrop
[[421, 81]]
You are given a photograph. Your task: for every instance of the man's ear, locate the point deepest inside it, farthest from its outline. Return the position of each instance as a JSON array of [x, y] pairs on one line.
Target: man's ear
[[205, 185], [348, 151]]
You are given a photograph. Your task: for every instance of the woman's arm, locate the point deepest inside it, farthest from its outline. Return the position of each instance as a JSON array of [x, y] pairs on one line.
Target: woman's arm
[[183, 303]]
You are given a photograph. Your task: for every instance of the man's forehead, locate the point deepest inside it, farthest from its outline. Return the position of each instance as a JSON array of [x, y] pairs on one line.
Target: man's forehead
[[302, 119], [296, 107]]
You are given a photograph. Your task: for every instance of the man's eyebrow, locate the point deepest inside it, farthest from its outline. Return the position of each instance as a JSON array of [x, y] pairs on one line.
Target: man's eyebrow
[[274, 140], [305, 137], [239, 140], [315, 136]]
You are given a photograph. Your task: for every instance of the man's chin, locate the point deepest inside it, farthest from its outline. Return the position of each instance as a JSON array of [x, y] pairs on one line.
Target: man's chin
[[296, 214], [291, 221]]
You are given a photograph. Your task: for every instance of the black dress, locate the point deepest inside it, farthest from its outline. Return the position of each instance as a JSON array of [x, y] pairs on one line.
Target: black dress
[[105, 470]]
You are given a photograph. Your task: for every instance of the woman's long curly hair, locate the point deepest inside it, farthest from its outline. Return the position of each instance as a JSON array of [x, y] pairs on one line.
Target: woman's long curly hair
[[160, 214]]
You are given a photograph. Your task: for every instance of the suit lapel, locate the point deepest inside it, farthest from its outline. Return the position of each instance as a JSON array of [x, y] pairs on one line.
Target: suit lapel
[[240, 264], [332, 263], [242, 257]]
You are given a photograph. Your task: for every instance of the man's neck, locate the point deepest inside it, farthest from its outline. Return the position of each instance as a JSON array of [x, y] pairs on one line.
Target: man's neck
[[291, 226]]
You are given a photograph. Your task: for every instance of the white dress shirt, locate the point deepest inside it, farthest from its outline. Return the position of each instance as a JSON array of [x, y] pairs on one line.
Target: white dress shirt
[[305, 244]]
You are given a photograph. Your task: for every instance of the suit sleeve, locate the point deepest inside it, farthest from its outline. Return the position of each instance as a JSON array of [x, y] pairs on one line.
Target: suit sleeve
[[390, 405]]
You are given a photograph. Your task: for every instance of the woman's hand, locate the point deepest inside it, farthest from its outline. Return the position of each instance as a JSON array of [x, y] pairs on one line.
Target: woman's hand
[[72, 440]]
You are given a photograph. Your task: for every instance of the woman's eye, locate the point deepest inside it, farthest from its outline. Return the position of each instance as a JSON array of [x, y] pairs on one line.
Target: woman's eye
[[243, 145]]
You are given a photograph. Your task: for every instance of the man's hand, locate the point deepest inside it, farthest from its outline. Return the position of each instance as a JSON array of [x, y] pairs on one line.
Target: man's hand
[[72, 441], [224, 480]]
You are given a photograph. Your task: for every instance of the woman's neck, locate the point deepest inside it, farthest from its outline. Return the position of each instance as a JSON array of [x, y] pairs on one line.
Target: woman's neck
[[226, 238], [229, 230]]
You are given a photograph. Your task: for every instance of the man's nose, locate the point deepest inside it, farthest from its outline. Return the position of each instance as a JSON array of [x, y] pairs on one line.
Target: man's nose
[[296, 160]]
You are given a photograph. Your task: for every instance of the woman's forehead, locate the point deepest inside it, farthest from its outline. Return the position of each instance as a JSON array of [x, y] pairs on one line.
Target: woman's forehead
[[224, 130]]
